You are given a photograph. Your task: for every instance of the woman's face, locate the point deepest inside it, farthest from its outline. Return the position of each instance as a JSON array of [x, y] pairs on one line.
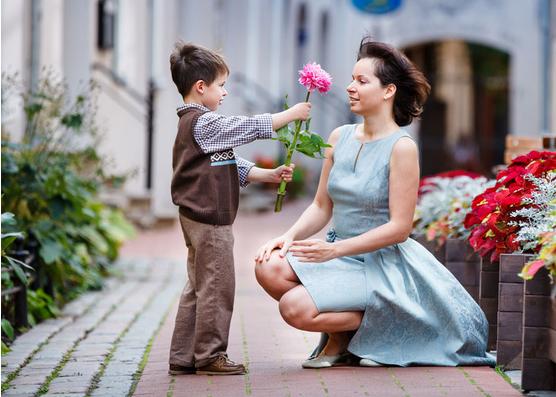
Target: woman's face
[[366, 93]]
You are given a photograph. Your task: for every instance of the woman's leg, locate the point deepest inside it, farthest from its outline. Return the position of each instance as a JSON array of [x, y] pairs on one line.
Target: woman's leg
[[298, 309], [276, 275]]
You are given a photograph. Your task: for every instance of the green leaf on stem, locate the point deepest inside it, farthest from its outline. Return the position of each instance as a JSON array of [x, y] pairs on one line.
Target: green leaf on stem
[[7, 329]]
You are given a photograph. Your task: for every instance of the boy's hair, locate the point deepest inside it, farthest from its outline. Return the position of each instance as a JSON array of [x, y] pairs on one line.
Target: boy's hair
[[190, 63]]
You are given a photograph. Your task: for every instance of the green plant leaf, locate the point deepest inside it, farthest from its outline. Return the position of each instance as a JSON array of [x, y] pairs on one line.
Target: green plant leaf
[[73, 120], [5, 348], [8, 219], [7, 329], [51, 251], [17, 267], [32, 109], [8, 239]]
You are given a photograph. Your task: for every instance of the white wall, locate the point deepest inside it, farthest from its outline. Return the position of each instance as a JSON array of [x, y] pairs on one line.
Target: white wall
[[16, 37]]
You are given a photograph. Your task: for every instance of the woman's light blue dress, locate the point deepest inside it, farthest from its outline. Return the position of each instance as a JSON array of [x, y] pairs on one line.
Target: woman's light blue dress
[[416, 312]]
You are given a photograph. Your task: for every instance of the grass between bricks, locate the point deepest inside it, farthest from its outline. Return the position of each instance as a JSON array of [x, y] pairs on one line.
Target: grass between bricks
[[170, 392], [398, 382], [96, 378], [474, 382], [501, 372], [143, 363], [54, 374], [65, 358], [245, 355], [13, 375]]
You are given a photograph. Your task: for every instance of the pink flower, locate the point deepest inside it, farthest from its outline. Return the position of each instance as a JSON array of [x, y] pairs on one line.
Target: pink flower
[[313, 76]]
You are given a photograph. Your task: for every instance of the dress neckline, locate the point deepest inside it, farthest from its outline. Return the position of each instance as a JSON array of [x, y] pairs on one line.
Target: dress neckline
[[374, 140]]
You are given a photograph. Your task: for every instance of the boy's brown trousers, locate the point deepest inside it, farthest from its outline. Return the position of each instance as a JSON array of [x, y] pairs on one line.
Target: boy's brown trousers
[[206, 303]]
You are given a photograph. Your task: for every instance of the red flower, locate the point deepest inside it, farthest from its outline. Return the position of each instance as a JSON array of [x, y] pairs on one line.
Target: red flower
[[426, 181], [489, 218]]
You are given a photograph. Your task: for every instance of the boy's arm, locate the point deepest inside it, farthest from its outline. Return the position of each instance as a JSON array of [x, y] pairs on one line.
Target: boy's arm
[[248, 172], [214, 132], [243, 169]]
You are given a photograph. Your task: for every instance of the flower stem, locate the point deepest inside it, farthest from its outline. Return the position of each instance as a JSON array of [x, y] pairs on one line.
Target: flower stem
[[282, 188]]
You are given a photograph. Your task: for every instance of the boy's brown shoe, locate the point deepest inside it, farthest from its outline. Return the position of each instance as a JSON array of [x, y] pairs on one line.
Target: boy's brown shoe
[[222, 365], [180, 370]]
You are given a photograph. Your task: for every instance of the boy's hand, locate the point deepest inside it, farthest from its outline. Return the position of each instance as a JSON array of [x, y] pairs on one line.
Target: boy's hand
[[281, 172], [301, 110]]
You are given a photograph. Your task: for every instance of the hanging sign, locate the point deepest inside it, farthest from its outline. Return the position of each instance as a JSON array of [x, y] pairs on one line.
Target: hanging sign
[[377, 6]]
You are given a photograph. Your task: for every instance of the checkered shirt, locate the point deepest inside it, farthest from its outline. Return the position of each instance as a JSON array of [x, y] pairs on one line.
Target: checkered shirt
[[215, 133]]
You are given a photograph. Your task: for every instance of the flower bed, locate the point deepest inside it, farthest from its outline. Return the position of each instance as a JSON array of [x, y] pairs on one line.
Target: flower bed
[[50, 182]]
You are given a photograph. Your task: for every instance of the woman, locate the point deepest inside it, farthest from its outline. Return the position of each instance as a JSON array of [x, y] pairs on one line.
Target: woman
[[371, 290]]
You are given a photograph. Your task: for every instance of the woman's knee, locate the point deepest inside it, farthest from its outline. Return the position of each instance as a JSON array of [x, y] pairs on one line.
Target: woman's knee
[[296, 310], [270, 271]]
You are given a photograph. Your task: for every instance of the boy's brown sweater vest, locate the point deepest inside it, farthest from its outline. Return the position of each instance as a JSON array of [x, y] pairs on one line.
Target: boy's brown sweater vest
[[204, 186]]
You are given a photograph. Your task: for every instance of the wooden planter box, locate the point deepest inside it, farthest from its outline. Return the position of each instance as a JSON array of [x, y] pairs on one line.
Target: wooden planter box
[[464, 264], [488, 298], [432, 246], [539, 334], [509, 344]]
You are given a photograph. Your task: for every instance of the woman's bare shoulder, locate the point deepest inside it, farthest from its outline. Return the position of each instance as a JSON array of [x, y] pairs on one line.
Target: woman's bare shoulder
[[405, 146], [337, 133]]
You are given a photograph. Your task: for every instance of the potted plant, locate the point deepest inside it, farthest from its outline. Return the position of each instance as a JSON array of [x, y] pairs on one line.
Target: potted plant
[[538, 232], [495, 227], [444, 201]]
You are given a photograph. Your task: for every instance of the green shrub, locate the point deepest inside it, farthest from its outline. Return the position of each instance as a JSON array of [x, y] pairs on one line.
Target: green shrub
[[50, 182]]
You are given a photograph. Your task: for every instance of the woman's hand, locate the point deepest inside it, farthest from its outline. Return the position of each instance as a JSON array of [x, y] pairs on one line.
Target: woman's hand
[[313, 250], [283, 242]]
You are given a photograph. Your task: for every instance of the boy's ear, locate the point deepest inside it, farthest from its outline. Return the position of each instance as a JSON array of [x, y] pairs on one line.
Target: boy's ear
[[200, 86]]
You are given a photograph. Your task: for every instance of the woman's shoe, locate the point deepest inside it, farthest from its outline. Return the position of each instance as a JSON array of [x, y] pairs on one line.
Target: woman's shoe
[[367, 362], [324, 361]]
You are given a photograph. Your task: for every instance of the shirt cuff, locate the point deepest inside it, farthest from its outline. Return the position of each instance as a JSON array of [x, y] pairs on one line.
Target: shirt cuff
[[264, 125], [243, 168]]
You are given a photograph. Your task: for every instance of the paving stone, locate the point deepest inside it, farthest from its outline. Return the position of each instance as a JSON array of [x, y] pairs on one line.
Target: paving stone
[[24, 388], [68, 387], [13, 393]]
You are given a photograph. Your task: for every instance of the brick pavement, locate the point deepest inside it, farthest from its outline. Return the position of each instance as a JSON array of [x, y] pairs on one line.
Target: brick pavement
[[97, 346], [273, 351]]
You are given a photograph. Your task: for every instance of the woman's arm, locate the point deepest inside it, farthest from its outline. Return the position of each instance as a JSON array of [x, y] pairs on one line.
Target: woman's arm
[[403, 182], [315, 217]]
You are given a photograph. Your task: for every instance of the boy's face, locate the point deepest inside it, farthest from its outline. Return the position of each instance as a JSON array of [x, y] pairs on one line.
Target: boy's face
[[214, 93]]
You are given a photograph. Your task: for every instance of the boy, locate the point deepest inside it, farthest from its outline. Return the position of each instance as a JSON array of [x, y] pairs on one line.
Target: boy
[[205, 186]]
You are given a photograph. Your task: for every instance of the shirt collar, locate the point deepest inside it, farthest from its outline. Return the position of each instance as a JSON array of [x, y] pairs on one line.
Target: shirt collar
[[192, 105]]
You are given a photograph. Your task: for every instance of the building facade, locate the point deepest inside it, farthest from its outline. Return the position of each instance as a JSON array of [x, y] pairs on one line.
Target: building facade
[[124, 45]]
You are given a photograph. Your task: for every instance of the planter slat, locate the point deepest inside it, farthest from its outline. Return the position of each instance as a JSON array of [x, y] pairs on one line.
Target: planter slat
[[508, 353], [537, 374], [513, 263], [489, 283], [552, 317], [464, 264], [535, 313], [539, 340], [488, 298], [552, 344], [536, 342], [466, 273], [511, 297], [458, 250], [510, 311], [510, 326]]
